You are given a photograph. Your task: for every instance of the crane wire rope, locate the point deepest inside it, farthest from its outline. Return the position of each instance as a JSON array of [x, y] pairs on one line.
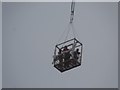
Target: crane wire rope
[[70, 25], [71, 21]]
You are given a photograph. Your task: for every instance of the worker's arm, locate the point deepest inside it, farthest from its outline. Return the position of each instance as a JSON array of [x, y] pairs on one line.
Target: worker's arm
[[73, 46]]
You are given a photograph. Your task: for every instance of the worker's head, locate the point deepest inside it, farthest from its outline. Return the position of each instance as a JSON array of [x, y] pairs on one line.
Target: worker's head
[[77, 49], [65, 47]]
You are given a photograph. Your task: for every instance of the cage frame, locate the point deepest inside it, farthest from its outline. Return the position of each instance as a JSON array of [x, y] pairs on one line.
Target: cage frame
[[81, 51]]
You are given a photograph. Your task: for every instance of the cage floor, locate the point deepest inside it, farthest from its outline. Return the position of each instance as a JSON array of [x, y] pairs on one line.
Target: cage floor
[[70, 65]]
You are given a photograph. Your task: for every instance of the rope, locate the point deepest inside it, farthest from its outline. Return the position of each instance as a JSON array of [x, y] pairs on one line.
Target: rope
[[61, 36], [76, 34], [70, 25], [73, 30], [67, 32]]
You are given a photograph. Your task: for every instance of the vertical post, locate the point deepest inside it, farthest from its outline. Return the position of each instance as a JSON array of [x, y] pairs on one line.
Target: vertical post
[[54, 56], [81, 53]]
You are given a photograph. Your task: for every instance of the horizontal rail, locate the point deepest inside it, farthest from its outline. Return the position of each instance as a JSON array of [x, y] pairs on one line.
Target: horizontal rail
[[65, 42]]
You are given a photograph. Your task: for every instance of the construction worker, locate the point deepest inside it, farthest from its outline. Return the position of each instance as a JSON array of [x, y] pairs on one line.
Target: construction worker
[[67, 55]]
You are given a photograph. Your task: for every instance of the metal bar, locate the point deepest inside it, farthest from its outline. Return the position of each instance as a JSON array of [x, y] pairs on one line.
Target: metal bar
[[57, 47], [67, 45], [55, 51], [77, 41], [72, 44], [64, 42], [78, 45], [81, 53]]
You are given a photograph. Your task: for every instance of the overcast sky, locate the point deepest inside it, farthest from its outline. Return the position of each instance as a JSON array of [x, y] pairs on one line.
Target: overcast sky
[[31, 30]]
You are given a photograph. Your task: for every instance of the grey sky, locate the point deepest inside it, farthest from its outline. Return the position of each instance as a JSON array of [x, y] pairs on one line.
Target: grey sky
[[31, 30]]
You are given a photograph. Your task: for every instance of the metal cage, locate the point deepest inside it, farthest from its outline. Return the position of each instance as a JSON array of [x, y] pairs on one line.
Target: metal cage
[[72, 62]]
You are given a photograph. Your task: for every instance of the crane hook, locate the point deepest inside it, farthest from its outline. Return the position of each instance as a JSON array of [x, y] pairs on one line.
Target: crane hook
[[72, 11]]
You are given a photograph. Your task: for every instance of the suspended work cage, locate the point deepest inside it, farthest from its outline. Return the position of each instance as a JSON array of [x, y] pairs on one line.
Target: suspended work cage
[[68, 54]]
